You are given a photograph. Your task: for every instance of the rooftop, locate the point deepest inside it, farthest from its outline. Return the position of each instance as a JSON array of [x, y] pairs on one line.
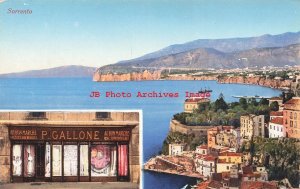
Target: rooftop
[[276, 113], [277, 120]]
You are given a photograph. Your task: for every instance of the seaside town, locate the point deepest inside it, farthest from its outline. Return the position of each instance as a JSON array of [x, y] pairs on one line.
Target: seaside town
[[251, 143]]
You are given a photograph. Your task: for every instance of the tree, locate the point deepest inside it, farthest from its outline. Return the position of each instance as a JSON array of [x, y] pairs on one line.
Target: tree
[[264, 101], [274, 106], [243, 103], [220, 104]]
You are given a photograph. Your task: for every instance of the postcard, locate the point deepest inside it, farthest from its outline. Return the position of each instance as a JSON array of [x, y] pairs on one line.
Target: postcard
[[150, 94]]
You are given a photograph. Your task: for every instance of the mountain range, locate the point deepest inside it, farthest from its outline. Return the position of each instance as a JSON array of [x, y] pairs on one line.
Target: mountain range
[[62, 71], [266, 50]]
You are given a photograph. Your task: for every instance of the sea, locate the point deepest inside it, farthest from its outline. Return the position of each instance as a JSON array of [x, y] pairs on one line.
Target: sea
[[74, 93]]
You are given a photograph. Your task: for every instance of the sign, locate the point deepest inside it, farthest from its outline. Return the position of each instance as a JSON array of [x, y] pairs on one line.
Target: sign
[[116, 134]]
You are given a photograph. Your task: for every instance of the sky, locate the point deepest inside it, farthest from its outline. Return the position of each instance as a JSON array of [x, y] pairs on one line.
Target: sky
[[100, 32]]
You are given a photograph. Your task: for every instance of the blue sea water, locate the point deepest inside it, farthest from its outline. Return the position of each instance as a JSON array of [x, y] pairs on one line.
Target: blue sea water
[[73, 93]]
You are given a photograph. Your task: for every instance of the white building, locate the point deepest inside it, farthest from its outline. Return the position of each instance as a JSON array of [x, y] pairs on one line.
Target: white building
[[276, 128], [176, 149], [202, 149]]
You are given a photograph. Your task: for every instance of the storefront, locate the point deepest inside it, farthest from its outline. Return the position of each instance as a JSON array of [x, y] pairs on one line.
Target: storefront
[[71, 152]]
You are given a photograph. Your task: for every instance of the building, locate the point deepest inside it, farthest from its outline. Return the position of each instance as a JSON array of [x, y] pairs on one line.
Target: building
[[202, 149], [274, 114], [176, 149], [68, 146], [223, 136], [192, 104], [231, 157], [278, 100], [291, 116], [252, 126], [276, 128]]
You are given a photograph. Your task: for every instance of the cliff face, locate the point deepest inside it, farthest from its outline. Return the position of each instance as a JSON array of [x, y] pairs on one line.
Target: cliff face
[[257, 80], [156, 75], [146, 75]]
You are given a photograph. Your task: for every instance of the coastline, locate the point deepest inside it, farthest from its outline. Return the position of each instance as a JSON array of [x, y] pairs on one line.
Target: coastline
[[147, 76]]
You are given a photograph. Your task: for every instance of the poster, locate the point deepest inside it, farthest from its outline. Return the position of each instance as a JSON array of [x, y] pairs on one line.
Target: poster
[[217, 85]]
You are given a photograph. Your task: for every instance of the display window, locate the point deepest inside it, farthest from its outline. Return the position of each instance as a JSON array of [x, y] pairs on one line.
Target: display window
[[62, 160]]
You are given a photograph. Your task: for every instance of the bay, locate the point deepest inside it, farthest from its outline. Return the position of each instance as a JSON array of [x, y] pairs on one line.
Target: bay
[[74, 93]]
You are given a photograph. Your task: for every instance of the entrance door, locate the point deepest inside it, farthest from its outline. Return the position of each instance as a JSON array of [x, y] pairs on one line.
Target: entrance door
[[40, 162]]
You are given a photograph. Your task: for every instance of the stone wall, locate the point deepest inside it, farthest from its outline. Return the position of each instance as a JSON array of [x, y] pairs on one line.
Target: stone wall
[[175, 126], [4, 155]]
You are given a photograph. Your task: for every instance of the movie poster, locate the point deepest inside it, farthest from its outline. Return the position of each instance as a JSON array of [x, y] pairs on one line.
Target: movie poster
[[150, 94]]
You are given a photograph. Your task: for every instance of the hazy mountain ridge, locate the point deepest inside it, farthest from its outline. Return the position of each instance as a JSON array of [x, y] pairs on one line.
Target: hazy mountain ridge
[[227, 45], [62, 71], [211, 58]]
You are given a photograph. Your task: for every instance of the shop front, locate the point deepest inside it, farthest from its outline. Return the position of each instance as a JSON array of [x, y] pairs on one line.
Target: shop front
[[69, 147], [69, 154]]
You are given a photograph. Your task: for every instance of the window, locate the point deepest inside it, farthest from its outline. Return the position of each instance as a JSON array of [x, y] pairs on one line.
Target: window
[[47, 160], [56, 160], [36, 115], [123, 160], [29, 157], [103, 115], [103, 160], [70, 160], [17, 160]]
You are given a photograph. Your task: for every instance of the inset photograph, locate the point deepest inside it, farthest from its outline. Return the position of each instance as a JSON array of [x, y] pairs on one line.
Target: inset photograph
[[71, 146]]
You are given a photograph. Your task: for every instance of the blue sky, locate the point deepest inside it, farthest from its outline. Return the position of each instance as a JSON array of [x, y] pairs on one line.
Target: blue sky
[[96, 33]]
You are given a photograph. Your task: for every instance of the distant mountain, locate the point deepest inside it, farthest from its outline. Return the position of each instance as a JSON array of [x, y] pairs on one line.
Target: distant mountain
[[227, 45], [211, 58], [63, 71]]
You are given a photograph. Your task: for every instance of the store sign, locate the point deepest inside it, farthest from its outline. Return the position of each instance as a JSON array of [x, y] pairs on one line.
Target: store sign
[[70, 133]]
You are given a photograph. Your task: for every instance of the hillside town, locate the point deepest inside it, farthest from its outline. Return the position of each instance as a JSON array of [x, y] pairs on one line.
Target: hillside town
[[253, 143]]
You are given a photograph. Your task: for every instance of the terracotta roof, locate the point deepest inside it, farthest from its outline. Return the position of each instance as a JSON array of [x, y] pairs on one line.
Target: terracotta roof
[[293, 101], [203, 147], [258, 185], [209, 158], [196, 100], [230, 154], [273, 113], [215, 184], [203, 185], [277, 120]]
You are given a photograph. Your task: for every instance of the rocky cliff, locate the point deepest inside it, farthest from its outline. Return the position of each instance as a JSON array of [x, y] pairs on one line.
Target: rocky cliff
[[134, 76], [156, 75], [257, 80]]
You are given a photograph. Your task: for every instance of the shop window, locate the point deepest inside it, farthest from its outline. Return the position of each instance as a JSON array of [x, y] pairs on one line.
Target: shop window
[[84, 160], [123, 160], [47, 160], [29, 163], [36, 115], [103, 160], [56, 160], [70, 160], [103, 116], [17, 160]]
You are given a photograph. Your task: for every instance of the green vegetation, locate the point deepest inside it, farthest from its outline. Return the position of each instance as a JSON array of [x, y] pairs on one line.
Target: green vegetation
[[222, 113], [281, 157], [191, 141]]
